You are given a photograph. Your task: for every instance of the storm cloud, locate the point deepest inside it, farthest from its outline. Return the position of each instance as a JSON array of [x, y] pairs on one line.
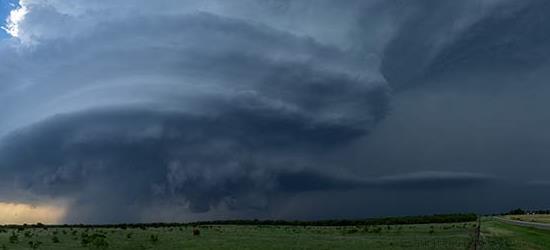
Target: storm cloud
[[213, 109], [201, 162]]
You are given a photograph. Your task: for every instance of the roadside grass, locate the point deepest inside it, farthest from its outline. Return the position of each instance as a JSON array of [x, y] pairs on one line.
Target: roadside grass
[[540, 218], [499, 235], [425, 236]]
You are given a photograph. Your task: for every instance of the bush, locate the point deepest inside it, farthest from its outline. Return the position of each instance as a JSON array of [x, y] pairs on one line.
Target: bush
[[100, 241], [517, 211], [377, 230], [96, 240], [55, 239], [154, 238], [35, 244], [28, 234], [14, 238]]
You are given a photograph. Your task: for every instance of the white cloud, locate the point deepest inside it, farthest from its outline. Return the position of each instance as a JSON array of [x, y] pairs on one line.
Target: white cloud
[[13, 21]]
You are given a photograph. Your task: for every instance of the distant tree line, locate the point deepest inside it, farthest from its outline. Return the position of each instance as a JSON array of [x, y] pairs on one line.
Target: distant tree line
[[426, 219], [519, 211]]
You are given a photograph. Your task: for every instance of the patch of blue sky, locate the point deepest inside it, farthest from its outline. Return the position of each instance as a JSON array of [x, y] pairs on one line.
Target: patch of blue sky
[[5, 7]]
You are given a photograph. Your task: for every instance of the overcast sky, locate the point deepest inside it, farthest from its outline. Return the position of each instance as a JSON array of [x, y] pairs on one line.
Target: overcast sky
[[139, 111]]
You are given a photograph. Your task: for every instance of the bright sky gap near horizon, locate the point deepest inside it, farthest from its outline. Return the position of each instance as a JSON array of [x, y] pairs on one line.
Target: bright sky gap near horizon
[[294, 109]]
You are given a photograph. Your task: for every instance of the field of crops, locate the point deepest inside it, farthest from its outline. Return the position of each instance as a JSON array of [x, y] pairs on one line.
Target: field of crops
[[427, 236]]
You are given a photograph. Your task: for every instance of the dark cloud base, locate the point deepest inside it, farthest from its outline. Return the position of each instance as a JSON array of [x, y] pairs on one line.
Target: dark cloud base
[[132, 159]]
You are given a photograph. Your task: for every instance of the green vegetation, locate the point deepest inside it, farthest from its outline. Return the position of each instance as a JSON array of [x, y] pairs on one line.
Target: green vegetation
[[424, 219], [425, 236], [539, 218], [499, 235], [254, 235]]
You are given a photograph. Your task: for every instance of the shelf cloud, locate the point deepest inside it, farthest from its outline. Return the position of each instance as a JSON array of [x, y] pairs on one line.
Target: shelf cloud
[[210, 109]]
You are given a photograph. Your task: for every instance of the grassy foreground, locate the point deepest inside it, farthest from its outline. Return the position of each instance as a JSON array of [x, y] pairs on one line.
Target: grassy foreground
[[502, 236], [427, 236], [494, 235]]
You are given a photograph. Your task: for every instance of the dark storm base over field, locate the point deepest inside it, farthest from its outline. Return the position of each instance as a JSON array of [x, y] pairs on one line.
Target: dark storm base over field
[[131, 111]]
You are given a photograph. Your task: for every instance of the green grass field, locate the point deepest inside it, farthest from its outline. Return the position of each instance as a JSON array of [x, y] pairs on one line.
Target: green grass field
[[429, 236], [494, 235], [502, 236]]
